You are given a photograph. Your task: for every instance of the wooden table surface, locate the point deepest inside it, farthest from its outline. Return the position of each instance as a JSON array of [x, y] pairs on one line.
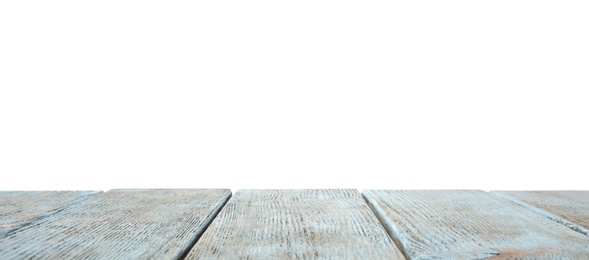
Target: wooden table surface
[[294, 224]]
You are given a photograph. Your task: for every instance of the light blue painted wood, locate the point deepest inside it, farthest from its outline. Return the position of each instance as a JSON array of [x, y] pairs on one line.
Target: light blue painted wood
[[569, 208], [119, 224], [471, 225], [19, 207], [296, 224]]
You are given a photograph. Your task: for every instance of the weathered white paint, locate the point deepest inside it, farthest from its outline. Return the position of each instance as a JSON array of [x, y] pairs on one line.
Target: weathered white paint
[[18, 207], [471, 225], [119, 224], [569, 208], [301, 224]]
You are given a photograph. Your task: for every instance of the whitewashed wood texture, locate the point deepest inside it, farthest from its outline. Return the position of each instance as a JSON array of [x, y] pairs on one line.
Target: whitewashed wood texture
[[471, 225], [301, 224], [570, 208], [119, 224], [18, 207]]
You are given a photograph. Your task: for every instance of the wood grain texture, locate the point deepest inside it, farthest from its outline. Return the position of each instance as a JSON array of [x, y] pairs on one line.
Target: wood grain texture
[[18, 207], [471, 225], [301, 224], [119, 224], [569, 208]]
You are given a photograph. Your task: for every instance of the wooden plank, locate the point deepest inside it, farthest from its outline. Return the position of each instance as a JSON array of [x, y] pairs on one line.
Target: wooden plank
[[471, 225], [301, 224], [18, 207], [119, 224], [569, 208]]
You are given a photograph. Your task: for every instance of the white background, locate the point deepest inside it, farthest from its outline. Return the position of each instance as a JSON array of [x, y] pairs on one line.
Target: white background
[[294, 94]]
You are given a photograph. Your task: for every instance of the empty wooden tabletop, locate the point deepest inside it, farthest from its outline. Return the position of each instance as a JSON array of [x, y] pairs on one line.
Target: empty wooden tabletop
[[293, 224]]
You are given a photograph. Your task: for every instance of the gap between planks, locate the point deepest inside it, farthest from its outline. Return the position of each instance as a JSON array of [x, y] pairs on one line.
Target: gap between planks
[[213, 215]]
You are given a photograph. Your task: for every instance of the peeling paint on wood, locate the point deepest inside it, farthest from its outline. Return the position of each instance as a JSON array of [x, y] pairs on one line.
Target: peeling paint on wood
[[119, 224], [17, 207], [471, 225], [569, 208], [301, 224]]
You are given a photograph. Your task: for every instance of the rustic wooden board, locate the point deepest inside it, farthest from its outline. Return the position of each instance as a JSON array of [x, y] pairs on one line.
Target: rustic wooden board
[[471, 225], [119, 224], [301, 224], [18, 207], [570, 208]]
